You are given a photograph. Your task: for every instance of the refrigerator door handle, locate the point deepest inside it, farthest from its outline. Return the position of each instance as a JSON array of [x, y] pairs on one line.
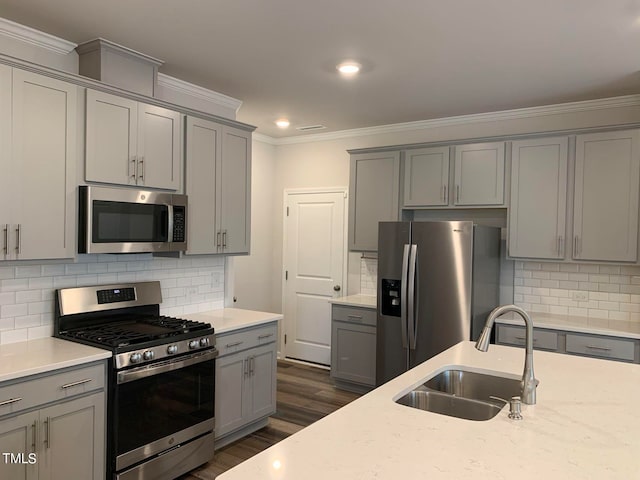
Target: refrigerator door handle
[[411, 297], [403, 294]]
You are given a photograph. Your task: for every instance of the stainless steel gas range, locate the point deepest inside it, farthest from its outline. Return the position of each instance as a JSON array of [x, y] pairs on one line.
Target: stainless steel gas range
[[160, 410]]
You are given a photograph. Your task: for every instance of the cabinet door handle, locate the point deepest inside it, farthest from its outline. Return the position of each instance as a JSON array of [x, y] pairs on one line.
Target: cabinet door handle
[[522, 339], [47, 438], [224, 239], [252, 361], [18, 246], [141, 165], [267, 335], [457, 193], [234, 344], [6, 238], [356, 317], [601, 349], [132, 168], [218, 239], [75, 384], [561, 248], [575, 246], [245, 365], [34, 433], [10, 401]]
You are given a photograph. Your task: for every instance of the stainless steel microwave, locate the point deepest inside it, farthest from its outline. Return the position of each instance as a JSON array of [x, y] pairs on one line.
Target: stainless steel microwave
[[122, 220]]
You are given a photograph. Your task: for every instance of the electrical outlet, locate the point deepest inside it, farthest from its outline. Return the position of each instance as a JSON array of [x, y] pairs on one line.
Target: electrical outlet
[[192, 290], [577, 295]]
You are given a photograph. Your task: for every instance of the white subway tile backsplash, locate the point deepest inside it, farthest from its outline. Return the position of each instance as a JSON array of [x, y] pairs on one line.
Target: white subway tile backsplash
[[595, 313], [52, 270], [612, 292], [588, 268], [7, 272], [28, 272], [15, 310], [27, 296], [619, 316], [7, 298], [27, 292], [609, 287], [39, 283], [609, 269]]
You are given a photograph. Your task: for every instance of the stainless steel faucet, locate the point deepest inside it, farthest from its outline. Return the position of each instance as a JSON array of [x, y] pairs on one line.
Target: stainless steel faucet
[[529, 382]]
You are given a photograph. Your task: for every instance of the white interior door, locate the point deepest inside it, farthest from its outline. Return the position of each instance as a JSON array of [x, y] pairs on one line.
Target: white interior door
[[314, 249]]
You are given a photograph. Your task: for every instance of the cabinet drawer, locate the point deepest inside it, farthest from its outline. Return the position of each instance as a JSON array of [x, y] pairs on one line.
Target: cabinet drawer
[[365, 316], [239, 340], [604, 347], [543, 339], [56, 386]]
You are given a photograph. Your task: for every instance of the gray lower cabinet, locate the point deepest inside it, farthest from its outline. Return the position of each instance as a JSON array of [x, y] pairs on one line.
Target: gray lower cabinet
[[562, 341], [245, 381], [353, 347], [54, 425]]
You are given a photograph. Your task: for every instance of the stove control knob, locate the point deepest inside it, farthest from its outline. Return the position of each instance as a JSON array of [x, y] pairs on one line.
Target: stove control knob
[[194, 344], [171, 349], [148, 355], [135, 357], [204, 342]]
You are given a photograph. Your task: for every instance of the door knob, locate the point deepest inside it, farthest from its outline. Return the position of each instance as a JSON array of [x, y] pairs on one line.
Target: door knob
[[336, 288]]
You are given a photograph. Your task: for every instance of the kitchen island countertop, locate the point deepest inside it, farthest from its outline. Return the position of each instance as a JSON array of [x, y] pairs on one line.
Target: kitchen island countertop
[[229, 319], [584, 426], [42, 355]]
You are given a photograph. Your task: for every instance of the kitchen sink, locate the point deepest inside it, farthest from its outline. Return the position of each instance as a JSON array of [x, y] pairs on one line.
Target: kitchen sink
[[463, 394]]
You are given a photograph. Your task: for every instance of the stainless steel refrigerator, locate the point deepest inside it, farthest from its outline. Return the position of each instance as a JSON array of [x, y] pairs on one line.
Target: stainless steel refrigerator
[[437, 282]]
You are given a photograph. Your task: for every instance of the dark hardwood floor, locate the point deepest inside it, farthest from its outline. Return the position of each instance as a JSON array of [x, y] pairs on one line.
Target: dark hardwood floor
[[305, 394]]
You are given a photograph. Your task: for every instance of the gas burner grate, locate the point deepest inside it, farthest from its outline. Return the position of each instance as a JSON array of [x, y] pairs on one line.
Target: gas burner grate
[[111, 335], [176, 323]]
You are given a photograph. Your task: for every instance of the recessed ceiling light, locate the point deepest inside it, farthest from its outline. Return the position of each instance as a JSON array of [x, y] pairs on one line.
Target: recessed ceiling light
[[282, 123], [349, 68]]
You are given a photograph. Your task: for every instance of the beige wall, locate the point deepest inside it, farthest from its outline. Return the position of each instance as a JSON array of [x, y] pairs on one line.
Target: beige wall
[[253, 275], [326, 164]]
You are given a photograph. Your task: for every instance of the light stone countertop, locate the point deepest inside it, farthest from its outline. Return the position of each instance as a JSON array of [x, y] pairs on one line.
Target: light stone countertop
[[584, 426], [366, 301], [597, 326], [229, 319], [44, 355]]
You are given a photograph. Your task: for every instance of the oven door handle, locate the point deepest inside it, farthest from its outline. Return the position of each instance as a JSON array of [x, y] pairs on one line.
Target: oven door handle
[[166, 366]]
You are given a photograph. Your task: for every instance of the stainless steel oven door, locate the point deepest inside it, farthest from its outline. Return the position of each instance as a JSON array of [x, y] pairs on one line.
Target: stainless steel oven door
[[160, 406]]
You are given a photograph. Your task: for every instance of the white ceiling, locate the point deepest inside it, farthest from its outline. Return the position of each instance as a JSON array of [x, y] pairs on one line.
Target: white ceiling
[[423, 59]]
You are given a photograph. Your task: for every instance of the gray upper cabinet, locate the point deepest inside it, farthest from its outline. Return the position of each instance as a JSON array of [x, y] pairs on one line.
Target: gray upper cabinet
[[235, 190], [607, 176], [479, 174], [38, 177], [426, 177], [373, 185], [218, 183], [131, 143], [537, 211]]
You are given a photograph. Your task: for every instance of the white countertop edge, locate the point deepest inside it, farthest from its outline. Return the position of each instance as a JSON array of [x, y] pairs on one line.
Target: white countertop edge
[[358, 300], [230, 319], [42, 355]]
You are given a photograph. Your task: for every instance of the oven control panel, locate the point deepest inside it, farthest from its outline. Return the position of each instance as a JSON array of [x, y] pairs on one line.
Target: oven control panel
[[146, 355]]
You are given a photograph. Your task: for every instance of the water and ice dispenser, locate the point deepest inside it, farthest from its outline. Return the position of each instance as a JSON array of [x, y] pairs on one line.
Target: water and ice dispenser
[[390, 301]]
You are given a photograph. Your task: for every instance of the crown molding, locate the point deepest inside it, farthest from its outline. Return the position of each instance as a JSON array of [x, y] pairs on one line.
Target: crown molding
[[199, 92], [35, 37], [260, 137], [102, 43], [528, 112]]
